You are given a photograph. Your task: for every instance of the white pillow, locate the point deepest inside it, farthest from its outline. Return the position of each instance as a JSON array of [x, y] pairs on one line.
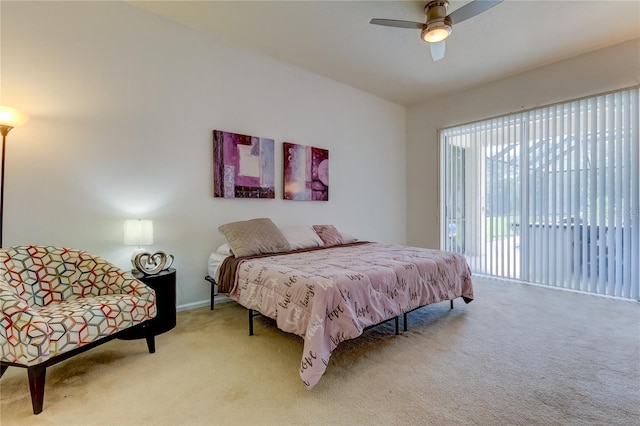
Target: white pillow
[[225, 249], [300, 237], [348, 238]]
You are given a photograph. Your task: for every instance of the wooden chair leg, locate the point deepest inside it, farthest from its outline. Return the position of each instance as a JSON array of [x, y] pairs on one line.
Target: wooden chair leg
[[37, 375], [3, 368], [151, 343]]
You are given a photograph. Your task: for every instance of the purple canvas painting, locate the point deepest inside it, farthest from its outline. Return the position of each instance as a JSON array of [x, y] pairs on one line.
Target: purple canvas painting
[[306, 173], [243, 166]]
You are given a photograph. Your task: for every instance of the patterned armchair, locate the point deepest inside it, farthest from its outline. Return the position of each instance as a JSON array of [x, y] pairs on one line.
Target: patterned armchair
[[57, 302]]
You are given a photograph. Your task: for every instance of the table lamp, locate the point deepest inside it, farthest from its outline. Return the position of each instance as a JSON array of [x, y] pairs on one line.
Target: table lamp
[[138, 232]]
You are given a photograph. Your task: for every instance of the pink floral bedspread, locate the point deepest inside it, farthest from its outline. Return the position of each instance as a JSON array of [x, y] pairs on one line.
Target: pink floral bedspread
[[328, 296]]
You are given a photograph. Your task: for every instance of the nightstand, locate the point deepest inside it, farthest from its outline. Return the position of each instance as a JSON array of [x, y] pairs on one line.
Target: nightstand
[[164, 284]]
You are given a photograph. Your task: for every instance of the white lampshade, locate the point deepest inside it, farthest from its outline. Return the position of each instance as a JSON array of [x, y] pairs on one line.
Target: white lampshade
[[138, 232], [12, 117]]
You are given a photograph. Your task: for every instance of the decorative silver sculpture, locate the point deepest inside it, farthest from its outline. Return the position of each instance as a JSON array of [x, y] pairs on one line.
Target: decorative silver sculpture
[[151, 264]]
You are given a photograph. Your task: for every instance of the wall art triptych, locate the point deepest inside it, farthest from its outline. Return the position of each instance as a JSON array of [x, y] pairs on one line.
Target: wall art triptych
[[244, 167]]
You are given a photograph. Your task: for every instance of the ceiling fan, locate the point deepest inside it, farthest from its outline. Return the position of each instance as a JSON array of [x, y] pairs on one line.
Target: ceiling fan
[[439, 25]]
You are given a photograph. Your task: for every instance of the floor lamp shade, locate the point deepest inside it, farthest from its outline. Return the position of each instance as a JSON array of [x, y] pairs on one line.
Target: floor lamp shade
[[9, 118], [12, 117]]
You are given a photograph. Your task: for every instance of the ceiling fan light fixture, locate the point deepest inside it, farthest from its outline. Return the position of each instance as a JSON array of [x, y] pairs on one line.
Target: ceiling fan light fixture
[[435, 32]]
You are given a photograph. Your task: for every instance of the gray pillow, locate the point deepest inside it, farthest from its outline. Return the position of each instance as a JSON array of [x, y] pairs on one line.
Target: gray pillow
[[255, 236]]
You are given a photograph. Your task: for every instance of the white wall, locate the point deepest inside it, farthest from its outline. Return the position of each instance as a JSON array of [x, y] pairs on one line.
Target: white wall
[[123, 104], [600, 71]]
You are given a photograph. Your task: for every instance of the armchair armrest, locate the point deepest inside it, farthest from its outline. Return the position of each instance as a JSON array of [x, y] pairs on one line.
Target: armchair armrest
[[24, 335], [98, 276], [122, 282]]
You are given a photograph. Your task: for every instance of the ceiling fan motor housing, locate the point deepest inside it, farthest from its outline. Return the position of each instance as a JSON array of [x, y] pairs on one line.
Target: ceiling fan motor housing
[[436, 10]]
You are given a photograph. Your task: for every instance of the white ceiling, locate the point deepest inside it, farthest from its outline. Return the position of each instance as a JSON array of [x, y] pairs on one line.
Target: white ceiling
[[335, 39]]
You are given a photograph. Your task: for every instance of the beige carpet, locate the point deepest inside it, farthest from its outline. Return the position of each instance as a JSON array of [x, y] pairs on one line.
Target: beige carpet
[[516, 355]]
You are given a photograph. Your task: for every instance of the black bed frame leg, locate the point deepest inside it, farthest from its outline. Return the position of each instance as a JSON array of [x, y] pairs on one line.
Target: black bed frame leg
[[397, 323], [404, 321], [451, 303], [212, 296], [250, 322], [213, 289]]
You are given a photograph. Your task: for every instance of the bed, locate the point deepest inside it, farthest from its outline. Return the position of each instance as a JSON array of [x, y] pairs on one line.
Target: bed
[[328, 294]]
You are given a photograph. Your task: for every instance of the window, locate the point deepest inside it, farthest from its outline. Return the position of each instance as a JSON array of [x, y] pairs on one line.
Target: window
[[548, 196]]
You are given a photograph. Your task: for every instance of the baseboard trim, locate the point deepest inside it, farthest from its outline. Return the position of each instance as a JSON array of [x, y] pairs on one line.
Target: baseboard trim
[[219, 298]]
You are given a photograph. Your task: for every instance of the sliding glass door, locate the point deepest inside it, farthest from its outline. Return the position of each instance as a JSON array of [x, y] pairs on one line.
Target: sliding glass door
[[548, 196]]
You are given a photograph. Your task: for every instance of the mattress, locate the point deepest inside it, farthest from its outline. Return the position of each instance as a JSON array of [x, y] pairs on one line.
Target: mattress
[[215, 260]]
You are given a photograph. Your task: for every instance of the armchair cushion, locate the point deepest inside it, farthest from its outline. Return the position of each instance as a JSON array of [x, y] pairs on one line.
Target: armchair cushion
[[53, 300]]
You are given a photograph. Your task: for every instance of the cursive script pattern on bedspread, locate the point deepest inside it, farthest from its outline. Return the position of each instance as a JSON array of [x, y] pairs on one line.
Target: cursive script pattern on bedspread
[[328, 296]]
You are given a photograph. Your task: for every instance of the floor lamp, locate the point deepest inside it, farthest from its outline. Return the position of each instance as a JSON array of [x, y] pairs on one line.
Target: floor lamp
[[9, 118]]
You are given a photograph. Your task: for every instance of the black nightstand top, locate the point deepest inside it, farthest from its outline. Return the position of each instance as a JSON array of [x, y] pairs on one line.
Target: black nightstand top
[[140, 275]]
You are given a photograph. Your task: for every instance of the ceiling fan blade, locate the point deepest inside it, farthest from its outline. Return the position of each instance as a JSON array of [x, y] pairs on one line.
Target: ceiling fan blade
[[437, 50], [472, 9], [396, 23]]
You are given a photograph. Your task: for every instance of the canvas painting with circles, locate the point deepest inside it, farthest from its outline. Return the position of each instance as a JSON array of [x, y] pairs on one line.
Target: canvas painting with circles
[[306, 173]]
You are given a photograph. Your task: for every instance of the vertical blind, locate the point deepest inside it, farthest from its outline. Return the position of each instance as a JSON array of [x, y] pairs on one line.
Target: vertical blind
[[549, 196]]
